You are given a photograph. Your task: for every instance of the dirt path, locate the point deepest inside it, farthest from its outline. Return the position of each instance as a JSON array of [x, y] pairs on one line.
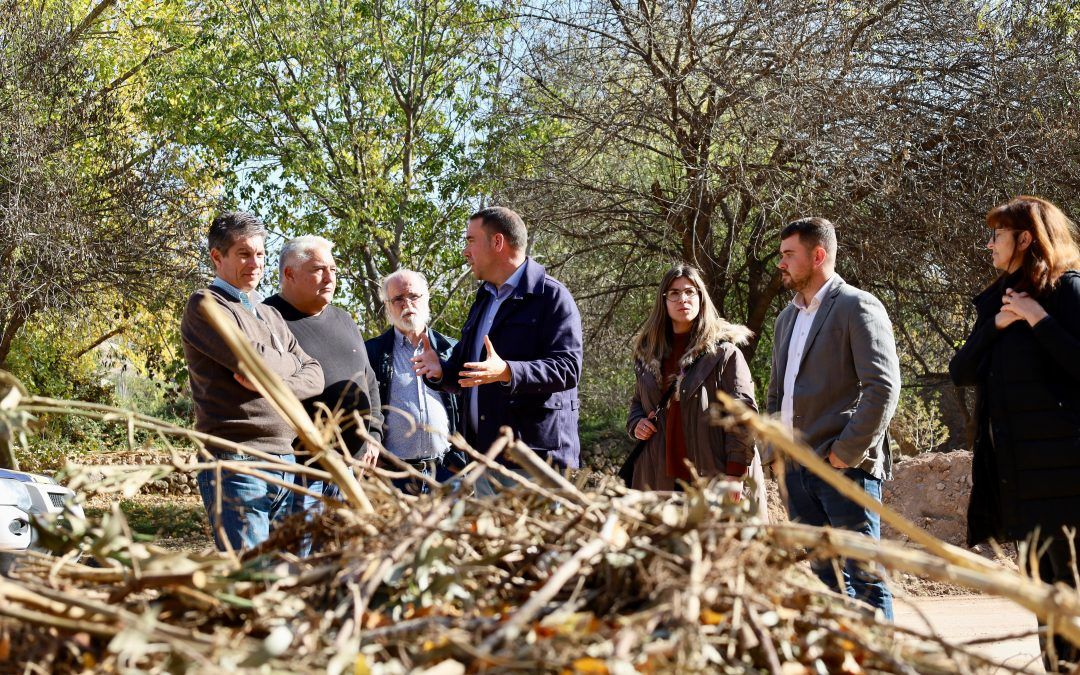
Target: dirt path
[[971, 617]]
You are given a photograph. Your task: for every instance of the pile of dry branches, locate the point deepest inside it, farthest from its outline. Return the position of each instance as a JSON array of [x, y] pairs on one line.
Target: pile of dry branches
[[542, 578], [549, 576]]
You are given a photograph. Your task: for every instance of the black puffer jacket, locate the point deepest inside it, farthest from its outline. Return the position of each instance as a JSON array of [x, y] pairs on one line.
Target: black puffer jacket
[[1026, 468]]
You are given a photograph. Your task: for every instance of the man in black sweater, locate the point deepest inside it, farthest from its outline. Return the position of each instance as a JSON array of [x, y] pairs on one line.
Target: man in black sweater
[[330, 335]]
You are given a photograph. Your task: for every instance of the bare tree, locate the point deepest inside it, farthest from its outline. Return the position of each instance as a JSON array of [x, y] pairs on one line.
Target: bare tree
[[694, 129]]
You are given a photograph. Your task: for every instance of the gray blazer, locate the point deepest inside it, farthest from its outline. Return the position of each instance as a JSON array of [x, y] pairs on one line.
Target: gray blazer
[[849, 379]]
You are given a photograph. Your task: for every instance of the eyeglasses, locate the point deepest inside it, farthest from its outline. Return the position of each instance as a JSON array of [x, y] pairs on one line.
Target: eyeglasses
[[996, 231], [680, 294], [410, 298]]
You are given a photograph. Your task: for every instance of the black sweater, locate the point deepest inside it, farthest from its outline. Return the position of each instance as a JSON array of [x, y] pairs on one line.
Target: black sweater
[[334, 340]]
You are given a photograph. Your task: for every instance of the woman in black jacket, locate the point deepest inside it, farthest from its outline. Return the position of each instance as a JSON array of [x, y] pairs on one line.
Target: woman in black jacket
[[1023, 357]]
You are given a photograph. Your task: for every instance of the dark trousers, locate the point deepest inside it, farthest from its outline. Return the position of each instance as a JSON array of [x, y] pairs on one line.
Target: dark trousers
[[1055, 567], [442, 470], [812, 501]]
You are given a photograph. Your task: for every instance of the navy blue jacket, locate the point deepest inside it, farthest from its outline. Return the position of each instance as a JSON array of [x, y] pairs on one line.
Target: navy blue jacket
[[380, 352], [537, 331]]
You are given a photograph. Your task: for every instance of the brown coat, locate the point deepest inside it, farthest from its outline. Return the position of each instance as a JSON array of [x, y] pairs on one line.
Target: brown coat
[[222, 406], [708, 446]]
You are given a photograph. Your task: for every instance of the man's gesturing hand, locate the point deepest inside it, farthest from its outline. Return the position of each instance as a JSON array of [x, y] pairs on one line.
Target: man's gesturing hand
[[427, 363], [491, 369]]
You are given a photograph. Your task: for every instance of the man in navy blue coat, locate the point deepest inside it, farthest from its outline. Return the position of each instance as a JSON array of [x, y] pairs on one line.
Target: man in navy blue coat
[[519, 359]]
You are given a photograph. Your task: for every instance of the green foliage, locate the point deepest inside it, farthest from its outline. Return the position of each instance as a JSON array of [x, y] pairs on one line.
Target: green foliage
[[356, 120], [157, 518], [96, 211], [604, 442], [139, 367], [41, 358]]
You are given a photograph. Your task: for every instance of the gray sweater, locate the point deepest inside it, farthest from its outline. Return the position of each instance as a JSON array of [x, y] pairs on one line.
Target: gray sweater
[[222, 406]]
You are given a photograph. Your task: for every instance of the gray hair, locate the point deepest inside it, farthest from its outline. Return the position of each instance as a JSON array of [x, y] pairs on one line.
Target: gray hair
[[297, 251], [228, 227], [384, 283], [399, 275]]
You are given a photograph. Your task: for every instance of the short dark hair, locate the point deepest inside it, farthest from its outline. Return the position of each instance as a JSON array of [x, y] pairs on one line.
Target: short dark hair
[[501, 220], [228, 227], [813, 232]]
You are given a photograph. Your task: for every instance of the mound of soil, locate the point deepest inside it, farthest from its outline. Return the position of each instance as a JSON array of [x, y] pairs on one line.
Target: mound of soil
[[930, 490]]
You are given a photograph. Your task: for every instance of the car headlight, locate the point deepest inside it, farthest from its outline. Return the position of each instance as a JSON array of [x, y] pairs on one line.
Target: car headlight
[[15, 493]]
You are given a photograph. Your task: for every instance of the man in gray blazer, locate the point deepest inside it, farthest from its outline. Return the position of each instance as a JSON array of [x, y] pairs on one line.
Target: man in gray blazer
[[835, 381]]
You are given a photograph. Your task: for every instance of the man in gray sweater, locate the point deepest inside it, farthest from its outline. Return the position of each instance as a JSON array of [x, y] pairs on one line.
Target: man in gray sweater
[[330, 334], [244, 506]]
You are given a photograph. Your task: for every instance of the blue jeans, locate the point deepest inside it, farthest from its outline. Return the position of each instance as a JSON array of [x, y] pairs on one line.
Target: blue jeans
[[812, 501], [312, 506], [250, 506]]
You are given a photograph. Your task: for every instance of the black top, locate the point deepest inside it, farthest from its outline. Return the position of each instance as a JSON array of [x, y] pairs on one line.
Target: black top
[[333, 339]]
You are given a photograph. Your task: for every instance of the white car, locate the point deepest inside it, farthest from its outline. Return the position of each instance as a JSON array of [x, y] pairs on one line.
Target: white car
[[23, 496]]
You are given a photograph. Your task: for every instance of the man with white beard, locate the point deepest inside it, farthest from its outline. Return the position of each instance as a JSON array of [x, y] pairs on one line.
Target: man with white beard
[[418, 419]]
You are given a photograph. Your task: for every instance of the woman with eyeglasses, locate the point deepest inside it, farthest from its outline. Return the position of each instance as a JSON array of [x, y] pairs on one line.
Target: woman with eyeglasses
[[1023, 357], [683, 355]]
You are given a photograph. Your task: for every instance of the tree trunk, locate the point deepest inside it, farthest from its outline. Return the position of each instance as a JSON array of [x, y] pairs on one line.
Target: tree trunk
[[11, 328], [15, 322], [970, 423], [764, 285]]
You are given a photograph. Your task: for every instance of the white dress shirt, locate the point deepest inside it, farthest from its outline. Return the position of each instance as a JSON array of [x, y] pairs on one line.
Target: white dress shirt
[[799, 332]]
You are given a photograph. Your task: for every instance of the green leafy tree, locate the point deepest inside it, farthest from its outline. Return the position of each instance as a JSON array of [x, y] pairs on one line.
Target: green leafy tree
[[95, 211], [356, 120], [89, 202]]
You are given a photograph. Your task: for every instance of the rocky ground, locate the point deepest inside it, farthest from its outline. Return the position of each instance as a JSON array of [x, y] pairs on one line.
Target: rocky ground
[[932, 491]]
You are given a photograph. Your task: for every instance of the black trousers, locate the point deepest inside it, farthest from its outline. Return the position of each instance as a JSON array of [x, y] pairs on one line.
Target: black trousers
[[1056, 566]]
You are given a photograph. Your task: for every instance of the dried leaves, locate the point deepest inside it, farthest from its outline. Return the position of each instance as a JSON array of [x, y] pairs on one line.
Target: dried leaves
[[631, 582], [545, 577]]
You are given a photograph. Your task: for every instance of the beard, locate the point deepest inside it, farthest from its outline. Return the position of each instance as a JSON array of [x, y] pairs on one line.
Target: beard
[[412, 320], [793, 283]]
